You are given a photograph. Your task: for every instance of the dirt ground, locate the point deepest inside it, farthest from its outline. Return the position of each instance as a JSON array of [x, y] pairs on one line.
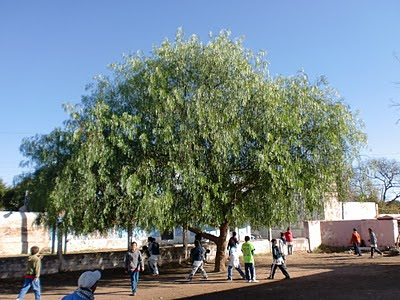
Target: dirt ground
[[314, 276]]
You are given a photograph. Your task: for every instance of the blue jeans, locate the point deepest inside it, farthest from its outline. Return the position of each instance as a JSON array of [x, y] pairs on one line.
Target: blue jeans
[[134, 280], [250, 272], [28, 283], [357, 248], [237, 269]]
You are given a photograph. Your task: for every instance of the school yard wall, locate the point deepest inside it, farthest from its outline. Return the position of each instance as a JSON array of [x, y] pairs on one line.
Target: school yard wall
[[15, 267], [338, 233], [18, 233]]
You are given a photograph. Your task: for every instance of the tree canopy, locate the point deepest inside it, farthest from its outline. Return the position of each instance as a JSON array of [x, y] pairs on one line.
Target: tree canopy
[[199, 134]]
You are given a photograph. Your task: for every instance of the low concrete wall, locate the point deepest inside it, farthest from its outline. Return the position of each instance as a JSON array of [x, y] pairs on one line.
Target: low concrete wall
[[15, 267]]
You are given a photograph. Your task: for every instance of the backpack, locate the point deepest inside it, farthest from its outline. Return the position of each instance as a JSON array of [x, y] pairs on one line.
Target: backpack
[[155, 249]]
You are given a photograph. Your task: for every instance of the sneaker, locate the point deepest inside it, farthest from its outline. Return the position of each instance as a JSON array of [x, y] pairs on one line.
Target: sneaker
[[133, 294], [229, 279], [205, 278], [244, 278], [270, 278], [288, 277], [381, 254], [255, 280]]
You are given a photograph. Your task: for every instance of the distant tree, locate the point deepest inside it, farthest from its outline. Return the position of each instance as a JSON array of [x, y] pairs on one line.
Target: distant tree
[[200, 134], [362, 187], [386, 174], [3, 190]]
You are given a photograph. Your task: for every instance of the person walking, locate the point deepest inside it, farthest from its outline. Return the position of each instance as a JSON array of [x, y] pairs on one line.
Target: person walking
[[277, 261], [356, 240], [374, 243], [32, 277], [233, 242], [282, 246], [289, 240], [154, 251], [87, 284], [197, 257], [133, 265], [248, 258], [234, 262]]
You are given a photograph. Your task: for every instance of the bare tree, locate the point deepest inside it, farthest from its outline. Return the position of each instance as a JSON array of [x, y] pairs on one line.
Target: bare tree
[[362, 187], [386, 173]]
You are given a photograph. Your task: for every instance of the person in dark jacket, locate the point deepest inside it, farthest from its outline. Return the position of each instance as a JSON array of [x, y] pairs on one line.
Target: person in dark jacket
[[197, 257], [154, 251], [278, 261], [133, 265]]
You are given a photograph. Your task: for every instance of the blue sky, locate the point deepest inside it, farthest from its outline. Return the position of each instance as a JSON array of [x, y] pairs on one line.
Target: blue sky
[[50, 50]]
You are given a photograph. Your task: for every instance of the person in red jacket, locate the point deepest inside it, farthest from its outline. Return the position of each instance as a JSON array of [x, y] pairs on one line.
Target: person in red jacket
[[289, 240], [356, 240]]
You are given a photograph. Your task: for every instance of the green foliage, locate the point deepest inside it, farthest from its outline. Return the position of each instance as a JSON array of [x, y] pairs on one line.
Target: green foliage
[[200, 134], [47, 155]]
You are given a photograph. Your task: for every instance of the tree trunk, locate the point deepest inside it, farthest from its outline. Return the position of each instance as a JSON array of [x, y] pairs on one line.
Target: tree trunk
[[59, 247], [221, 247], [129, 229], [53, 239], [185, 242], [220, 241]]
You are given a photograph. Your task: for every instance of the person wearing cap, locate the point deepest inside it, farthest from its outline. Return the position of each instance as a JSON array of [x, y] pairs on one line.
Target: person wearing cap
[[87, 284], [133, 265]]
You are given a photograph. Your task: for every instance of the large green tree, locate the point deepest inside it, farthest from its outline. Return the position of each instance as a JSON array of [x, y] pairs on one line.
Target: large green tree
[[200, 134]]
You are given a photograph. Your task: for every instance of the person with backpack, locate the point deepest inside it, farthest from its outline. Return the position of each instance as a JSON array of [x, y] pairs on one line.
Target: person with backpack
[[154, 251], [197, 257], [277, 261]]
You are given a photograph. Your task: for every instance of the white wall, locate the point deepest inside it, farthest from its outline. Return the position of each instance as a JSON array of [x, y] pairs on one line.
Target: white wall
[[313, 234], [335, 210], [18, 233], [360, 210]]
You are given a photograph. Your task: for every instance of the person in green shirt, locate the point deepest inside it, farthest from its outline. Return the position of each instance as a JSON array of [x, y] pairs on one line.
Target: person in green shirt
[[248, 258], [31, 279]]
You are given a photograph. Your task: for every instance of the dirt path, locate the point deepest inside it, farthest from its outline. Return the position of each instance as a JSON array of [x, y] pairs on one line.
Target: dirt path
[[314, 276]]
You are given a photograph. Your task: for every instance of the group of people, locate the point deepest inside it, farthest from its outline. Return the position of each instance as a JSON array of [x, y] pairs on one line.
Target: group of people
[[135, 262], [356, 241], [278, 257]]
